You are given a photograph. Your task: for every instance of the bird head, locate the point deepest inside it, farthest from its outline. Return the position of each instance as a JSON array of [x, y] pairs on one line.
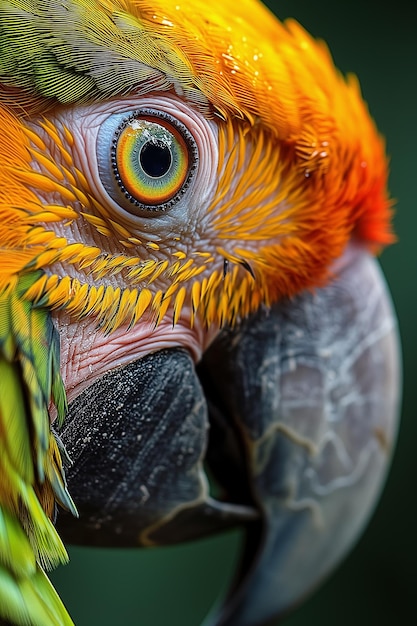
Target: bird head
[[168, 170], [270, 161]]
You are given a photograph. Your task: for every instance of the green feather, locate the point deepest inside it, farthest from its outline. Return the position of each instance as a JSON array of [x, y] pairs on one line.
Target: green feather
[[15, 548], [29, 460], [14, 421], [31, 602], [75, 51]]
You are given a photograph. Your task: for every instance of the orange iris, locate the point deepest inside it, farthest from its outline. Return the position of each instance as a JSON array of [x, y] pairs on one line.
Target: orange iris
[[152, 160]]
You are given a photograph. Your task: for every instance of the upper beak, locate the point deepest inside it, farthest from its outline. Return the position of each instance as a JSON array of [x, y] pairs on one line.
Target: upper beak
[[294, 412]]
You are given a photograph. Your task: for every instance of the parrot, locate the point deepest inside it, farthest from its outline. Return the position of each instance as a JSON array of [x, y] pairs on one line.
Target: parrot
[[195, 334]]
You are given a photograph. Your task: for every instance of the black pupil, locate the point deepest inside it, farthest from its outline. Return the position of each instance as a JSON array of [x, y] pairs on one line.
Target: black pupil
[[155, 159]]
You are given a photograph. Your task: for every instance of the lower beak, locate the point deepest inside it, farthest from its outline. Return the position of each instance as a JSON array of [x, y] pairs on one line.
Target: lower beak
[[294, 414]]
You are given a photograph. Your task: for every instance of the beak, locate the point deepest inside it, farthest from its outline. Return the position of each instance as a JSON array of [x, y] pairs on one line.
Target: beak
[[137, 439], [293, 412]]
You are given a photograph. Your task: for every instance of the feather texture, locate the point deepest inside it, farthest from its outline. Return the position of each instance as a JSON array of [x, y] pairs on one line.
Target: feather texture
[[32, 480]]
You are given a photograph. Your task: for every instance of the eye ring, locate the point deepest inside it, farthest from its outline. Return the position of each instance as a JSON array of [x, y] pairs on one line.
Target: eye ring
[[153, 158]]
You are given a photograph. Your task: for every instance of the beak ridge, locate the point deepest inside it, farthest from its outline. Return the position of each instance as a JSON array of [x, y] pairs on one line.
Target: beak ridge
[[316, 400]]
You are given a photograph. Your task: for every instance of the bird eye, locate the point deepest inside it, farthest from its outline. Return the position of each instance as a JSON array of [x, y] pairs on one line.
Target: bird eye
[[152, 159]]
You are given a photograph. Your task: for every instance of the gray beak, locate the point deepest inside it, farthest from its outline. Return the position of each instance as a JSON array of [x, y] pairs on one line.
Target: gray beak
[[293, 412]]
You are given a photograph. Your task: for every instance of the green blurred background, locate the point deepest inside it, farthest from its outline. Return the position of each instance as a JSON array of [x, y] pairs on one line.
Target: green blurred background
[[377, 584]]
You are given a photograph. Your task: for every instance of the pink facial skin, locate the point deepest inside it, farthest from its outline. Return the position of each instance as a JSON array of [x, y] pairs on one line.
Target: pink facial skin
[[87, 353]]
